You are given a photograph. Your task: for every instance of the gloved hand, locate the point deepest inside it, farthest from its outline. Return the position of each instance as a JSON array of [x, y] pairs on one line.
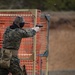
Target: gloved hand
[[36, 29]]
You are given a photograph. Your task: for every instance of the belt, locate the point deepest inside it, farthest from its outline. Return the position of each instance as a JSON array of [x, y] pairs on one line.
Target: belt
[[9, 48], [14, 52]]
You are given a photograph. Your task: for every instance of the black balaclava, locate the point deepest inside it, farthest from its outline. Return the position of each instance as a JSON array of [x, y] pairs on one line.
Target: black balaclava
[[13, 26], [21, 24], [18, 22]]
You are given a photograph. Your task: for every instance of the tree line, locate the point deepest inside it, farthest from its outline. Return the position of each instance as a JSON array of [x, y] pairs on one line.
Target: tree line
[[53, 5]]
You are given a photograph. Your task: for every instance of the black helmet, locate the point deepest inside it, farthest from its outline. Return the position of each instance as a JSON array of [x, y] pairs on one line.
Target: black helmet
[[19, 21]]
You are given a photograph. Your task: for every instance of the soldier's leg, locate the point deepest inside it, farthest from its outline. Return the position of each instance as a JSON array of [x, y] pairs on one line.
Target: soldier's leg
[[15, 67], [3, 71]]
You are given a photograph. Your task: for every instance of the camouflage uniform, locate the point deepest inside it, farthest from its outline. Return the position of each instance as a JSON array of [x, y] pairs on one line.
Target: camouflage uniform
[[12, 37], [11, 41]]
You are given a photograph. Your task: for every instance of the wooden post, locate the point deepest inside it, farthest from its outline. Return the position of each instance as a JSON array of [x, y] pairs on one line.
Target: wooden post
[[48, 28], [34, 12], [34, 46]]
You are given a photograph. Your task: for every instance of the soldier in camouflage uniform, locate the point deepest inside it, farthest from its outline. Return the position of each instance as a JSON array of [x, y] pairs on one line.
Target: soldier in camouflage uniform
[[11, 43]]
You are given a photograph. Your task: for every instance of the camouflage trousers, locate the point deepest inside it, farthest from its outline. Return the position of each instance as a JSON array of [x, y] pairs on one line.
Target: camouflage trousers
[[14, 68]]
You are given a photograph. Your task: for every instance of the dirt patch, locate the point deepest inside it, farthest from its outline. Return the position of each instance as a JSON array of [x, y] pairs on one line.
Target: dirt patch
[[62, 19], [62, 49], [62, 42]]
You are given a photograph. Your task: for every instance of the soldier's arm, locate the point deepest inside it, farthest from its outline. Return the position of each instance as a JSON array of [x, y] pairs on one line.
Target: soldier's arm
[[29, 32]]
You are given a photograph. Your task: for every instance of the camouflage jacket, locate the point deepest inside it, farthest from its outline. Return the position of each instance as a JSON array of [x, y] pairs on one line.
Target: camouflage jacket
[[12, 37]]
